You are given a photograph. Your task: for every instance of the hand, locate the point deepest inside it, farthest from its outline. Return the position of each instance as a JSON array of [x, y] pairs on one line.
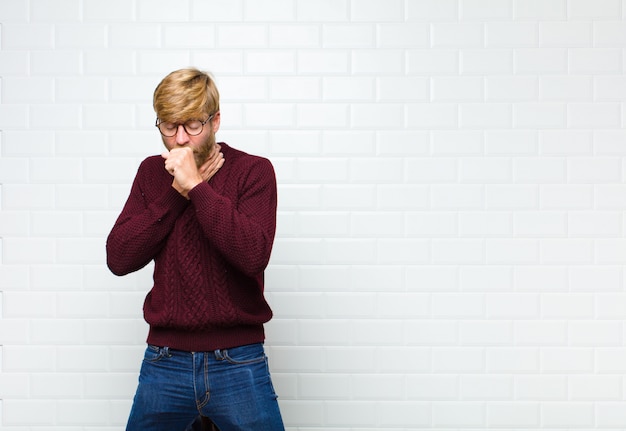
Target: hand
[[213, 163], [181, 164]]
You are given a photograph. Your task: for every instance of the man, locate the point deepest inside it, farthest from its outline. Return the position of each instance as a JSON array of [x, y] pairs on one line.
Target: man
[[205, 213]]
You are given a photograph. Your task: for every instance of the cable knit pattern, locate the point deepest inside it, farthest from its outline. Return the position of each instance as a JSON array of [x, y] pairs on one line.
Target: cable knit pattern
[[210, 251]]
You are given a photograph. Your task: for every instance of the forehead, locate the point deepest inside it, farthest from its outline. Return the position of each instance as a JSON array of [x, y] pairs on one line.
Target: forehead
[[186, 119]]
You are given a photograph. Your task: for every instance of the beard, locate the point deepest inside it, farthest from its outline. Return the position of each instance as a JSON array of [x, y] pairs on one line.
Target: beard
[[203, 151]]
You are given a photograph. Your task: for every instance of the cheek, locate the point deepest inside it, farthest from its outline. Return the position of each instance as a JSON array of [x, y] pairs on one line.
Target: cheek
[[168, 142]]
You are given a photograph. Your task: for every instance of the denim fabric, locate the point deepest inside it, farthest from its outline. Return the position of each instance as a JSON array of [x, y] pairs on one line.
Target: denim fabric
[[231, 386]]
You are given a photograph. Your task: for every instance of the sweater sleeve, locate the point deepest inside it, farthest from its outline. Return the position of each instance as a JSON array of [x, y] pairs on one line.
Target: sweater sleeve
[[242, 231], [143, 225]]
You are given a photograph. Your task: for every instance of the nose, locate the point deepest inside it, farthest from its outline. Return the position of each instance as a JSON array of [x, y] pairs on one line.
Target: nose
[[181, 135]]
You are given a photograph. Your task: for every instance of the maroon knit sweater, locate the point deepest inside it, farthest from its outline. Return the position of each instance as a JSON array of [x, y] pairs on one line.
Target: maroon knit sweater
[[210, 251]]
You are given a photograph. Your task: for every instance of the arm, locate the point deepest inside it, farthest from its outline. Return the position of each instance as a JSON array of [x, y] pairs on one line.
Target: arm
[[142, 227], [242, 231]]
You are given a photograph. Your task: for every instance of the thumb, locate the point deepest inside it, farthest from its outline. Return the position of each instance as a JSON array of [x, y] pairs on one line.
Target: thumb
[[165, 154]]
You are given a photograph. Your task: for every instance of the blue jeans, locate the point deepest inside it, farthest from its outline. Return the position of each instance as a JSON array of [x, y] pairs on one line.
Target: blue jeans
[[231, 386]]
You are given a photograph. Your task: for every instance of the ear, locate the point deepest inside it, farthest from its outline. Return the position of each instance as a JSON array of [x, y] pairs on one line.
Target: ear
[[215, 121]]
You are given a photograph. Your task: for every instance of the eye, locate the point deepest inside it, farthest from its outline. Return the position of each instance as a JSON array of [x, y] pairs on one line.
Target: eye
[[166, 125], [193, 124]]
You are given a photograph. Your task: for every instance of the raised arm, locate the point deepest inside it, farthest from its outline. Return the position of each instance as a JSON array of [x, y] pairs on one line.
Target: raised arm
[[242, 230], [145, 221]]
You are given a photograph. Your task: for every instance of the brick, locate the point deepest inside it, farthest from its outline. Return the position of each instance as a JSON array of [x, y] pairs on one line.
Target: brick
[[27, 90], [485, 170], [512, 251], [241, 36], [540, 279], [515, 359], [432, 115], [454, 196], [595, 61], [607, 142], [455, 414], [351, 36], [572, 34], [567, 359], [567, 306], [601, 9], [511, 88], [570, 414], [512, 306], [351, 251], [367, 224], [507, 34], [483, 387], [325, 115], [275, 62], [432, 61], [432, 387], [300, 36], [428, 170], [386, 116], [15, 11], [539, 170], [541, 9], [590, 278], [485, 278], [566, 88], [354, 143], [547, 61], [565, 142], [483, 333], [566, 251], [26, 36], [136, 35], [113, 11], [566, 196], [76, 36], [464, 34], [540, 115], [465, 89], [486, 115], [485, 10], [322, 10], [378, 62], [609, 33], [594, 333], [368, 10], [540, 333], [518, 414], [431, 224], [484, 224], [511, 142], [544, 224], [268, 10], [403, 35], [467, 251]]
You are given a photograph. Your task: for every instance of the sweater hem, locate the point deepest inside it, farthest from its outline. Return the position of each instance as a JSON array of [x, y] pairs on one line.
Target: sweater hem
[[208, 340]]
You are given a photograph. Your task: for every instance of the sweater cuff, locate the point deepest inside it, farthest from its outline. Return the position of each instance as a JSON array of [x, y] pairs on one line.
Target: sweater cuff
[[201, 191], [173, 200]]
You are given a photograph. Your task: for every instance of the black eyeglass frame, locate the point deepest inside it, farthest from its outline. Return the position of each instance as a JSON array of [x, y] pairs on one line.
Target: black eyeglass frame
[[159, 122]]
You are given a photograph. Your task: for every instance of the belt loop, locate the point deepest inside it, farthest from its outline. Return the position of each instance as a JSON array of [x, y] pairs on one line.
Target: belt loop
[[219, 354], [166, 352]]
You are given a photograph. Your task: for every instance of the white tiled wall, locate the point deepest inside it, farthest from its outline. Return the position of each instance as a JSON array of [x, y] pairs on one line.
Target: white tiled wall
[[452, 182]]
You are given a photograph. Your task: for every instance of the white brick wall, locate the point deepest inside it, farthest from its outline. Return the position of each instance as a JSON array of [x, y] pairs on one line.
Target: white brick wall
[[452, 181]]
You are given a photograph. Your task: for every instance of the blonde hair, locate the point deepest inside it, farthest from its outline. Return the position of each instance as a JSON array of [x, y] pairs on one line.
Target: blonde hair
[[186, 94]]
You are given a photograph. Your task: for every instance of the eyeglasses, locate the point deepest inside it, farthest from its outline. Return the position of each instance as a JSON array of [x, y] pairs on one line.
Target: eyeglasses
[[192, 127]]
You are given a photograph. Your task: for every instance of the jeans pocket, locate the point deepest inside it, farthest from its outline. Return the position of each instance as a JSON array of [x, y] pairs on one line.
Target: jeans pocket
[[153, 353], [250, 354]]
